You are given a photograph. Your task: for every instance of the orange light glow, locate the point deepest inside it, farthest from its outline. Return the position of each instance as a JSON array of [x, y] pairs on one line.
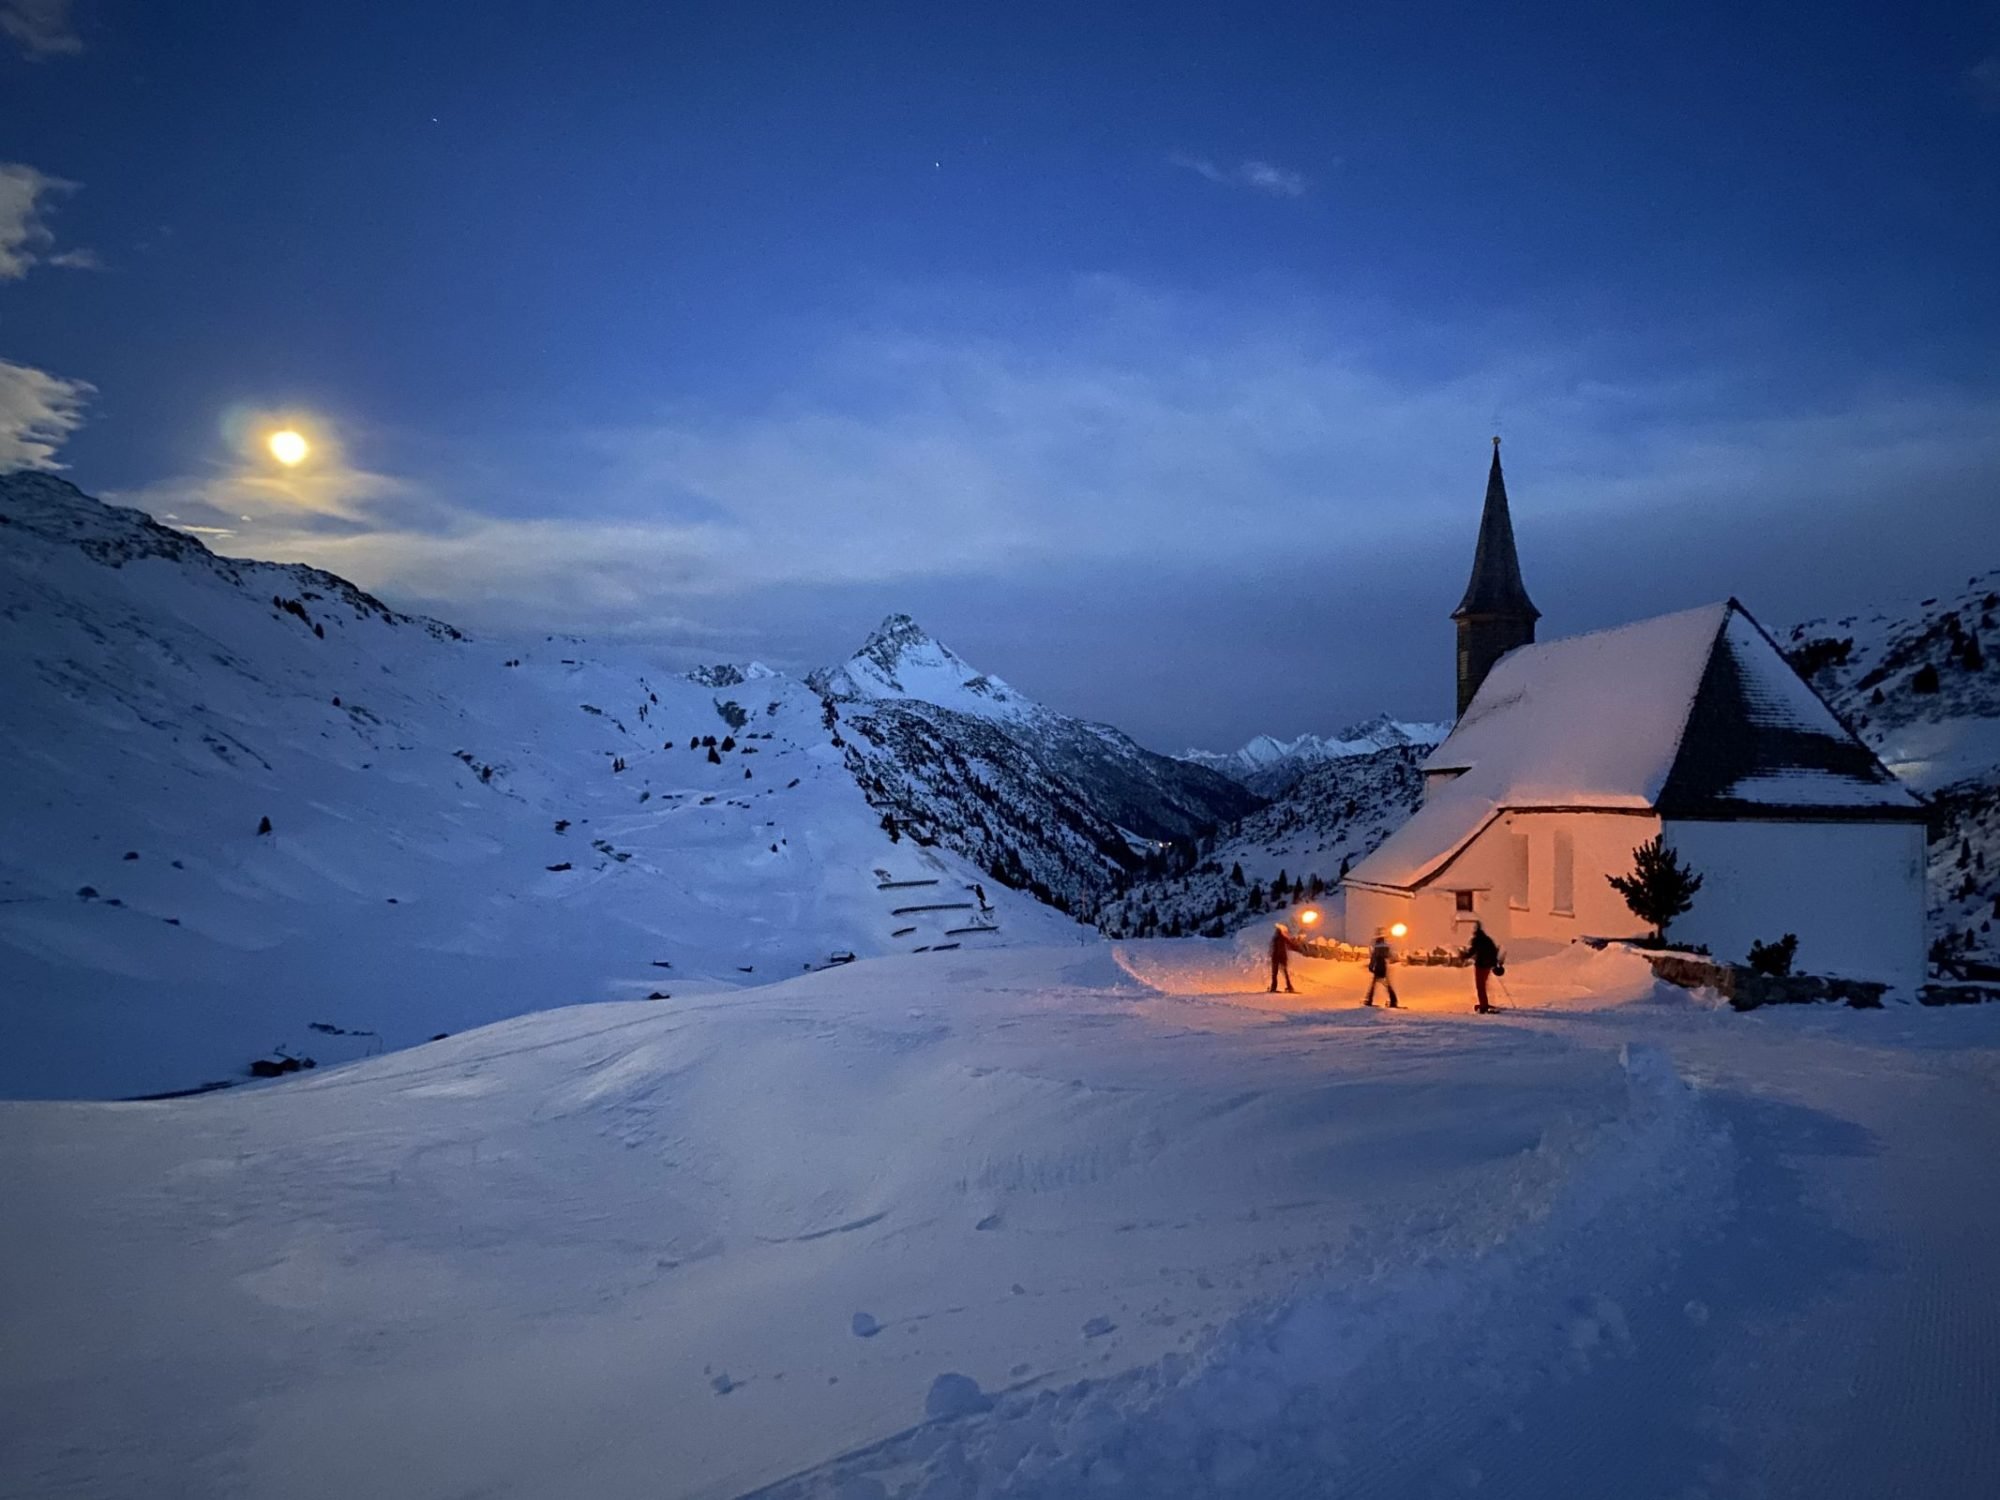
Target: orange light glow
[[1399, 931], [1308, 916]]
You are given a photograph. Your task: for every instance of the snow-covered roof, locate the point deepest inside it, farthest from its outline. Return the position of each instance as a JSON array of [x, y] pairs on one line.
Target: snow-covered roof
[[1694, 714]]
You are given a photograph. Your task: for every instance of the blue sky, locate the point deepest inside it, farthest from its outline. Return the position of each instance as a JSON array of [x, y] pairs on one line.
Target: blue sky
[[1146, 353]]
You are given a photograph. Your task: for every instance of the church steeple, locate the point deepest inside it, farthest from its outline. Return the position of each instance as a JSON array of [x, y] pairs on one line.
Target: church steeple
[[1496, 615]]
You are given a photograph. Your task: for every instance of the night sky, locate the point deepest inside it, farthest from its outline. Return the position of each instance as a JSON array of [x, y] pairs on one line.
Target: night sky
[[1148, 354]]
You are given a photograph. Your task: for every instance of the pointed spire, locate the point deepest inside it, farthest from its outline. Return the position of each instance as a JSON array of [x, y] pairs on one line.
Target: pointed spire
[[1496, 587]]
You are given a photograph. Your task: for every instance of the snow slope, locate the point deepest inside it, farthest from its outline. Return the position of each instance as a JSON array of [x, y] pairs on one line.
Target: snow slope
[[1057, 1222], [1333, 814], [461, 830], [901, 661]]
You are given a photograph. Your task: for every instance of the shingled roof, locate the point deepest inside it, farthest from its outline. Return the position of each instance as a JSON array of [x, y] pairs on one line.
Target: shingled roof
[[1689, 715]]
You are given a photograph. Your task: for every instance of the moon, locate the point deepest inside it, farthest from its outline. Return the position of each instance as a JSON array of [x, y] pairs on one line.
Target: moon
[[289, 447]]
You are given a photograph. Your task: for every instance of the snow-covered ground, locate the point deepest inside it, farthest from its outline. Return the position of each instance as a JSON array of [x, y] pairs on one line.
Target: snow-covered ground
[[1091, 1219]]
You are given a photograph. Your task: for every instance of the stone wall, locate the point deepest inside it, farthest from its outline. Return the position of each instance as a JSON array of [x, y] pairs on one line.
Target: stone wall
[[1747, 990]]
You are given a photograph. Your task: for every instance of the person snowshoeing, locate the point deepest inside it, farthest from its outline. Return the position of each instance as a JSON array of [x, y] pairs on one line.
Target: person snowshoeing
[[1378, 969], [1283, 945], [1485, 956]]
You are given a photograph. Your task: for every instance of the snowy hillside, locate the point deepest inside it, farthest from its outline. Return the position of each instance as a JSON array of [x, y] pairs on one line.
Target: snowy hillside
[[251, 811], [1331, 816], [1923, 689], [1055, 1223], [1269, 766], [1059, 806]]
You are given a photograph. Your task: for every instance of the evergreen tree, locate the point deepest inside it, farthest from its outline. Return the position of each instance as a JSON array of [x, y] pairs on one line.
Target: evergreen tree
[[1659, 888], [1236, 874]]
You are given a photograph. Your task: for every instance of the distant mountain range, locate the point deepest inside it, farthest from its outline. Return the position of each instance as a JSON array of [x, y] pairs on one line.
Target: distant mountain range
[[1268, 765]]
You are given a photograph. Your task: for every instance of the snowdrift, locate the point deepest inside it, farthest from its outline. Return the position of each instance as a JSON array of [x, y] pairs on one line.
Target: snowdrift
[[1006, 1222]]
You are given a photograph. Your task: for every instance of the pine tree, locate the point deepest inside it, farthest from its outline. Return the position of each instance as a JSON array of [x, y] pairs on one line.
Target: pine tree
[[1236, 874], [1659, 888]]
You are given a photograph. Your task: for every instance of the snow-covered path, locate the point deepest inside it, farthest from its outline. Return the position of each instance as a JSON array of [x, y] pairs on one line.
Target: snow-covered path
[[1185, 1239]]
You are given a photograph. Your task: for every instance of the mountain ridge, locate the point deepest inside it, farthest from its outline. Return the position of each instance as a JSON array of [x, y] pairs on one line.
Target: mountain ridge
[[1269, 765]]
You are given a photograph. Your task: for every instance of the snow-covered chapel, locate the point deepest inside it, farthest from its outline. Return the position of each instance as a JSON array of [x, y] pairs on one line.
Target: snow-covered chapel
[[1569, 754]]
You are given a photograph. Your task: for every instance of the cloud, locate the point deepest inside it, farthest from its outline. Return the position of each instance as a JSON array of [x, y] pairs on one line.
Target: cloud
[[79, 259], [24, 193], [38, 412], [1272, 179], [1984, 77], [41, 28], [1169, 458], [262, 505], [1263, 176]]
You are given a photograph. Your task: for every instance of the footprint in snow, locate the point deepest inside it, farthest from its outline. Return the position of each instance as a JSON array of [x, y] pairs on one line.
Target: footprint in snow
[[1097, 1327], [865, 1326], [723, 1385]]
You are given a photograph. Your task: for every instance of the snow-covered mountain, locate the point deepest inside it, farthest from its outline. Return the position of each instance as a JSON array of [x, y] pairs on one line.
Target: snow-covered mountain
[[1922, 686], [1059, 806], [1268, 765], [251, 809], [900, 661], [1295, 848]]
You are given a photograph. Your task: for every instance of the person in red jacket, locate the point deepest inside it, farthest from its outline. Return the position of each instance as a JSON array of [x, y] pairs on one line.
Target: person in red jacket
[[1283, 946]]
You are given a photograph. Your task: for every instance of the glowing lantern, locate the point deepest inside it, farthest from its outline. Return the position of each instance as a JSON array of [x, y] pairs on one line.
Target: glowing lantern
[[1400, 930], [1308, 916]]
